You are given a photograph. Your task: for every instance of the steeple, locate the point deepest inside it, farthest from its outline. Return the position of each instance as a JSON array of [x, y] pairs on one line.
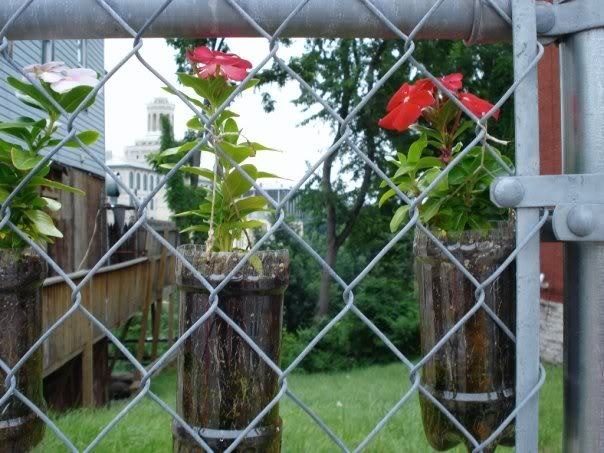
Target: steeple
[[159, 107]]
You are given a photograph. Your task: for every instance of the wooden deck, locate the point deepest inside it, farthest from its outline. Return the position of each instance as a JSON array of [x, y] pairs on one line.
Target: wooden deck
[[114, 295]]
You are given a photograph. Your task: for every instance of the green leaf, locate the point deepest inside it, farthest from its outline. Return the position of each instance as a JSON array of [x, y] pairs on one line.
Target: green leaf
[[398, 217], [20, 134], [259, 147], [195, 124], [87, 137], [16, 125], [237, 152], [43, 223], [479, 224], [196, 228], [200, 86], [182, 149], [38, 181], [416, 149], [235, 184], [246, 224], [464, 127], [428, 162], [231, 131], [250, 204], [251, 84], [32, 96], [225, 115], [204, 172], [24, 160], [189, 98], [190, 214], [429, 209], [71, 100], [264, 174]]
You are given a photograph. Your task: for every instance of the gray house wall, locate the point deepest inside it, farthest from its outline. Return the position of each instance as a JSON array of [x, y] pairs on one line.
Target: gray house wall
[[30, 52]]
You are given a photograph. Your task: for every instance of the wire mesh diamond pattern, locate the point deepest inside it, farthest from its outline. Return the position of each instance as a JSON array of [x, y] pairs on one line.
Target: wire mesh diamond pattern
[[347, 288]]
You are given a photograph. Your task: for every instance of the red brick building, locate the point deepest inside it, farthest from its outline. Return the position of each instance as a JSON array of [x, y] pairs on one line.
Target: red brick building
[[551, 163]]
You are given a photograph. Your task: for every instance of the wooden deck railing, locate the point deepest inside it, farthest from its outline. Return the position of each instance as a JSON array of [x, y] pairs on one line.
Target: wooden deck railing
[[114, 295]]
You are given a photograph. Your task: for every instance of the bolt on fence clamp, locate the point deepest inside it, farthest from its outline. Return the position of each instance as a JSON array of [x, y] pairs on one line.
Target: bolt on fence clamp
[[578, 201]]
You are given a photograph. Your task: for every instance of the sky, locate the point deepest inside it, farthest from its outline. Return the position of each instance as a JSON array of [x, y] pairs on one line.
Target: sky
[[133, 86]]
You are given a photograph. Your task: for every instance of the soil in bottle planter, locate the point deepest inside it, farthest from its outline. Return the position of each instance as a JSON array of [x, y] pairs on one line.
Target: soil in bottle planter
[[473, 374], [21, 276], [223, 384]]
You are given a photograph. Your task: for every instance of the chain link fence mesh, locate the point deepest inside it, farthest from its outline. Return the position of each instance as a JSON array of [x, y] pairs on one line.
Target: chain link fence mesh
[[347, 288]]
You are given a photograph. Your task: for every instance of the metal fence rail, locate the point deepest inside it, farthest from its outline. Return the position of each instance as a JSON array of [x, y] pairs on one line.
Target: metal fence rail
[[406, 20]]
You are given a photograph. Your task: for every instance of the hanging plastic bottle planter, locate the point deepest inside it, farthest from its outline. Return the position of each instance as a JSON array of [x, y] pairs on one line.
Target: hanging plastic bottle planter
[[472, 374], [21, 275], [223, 384]]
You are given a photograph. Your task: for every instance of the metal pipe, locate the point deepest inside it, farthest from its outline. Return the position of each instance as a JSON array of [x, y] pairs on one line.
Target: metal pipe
[[455, 19], [527, 261], [582, 85]]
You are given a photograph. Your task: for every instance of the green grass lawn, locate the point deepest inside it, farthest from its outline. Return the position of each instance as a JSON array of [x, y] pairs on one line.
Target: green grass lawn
[[351, 403]]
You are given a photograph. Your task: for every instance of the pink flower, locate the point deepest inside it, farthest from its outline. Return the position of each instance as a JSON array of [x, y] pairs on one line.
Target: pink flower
[[61, 77], [218, 64]]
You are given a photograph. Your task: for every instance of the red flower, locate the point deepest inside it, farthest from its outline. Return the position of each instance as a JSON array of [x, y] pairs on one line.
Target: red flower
[[218, 64], [452, 82], [476, 105], [405, 107]]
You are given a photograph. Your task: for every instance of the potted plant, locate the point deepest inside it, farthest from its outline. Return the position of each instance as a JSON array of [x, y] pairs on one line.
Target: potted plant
[[22, 270], [222, 383], [472, 374]]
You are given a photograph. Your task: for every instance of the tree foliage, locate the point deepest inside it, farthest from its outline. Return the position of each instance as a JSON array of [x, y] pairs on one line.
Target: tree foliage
[[180, 194]]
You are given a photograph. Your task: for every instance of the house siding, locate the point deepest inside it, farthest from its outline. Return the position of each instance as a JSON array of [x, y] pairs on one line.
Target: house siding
[[29, 52]]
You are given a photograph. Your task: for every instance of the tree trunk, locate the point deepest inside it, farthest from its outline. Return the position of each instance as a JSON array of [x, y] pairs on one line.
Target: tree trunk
[[330, 258]]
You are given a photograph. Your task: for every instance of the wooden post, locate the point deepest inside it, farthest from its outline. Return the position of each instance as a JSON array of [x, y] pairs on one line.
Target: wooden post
[[159, 296], [148, 282], [88, 354], [171, 315]]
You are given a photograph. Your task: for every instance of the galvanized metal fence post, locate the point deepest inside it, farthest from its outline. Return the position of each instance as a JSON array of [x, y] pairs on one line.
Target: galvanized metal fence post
[[527, 261], [582, 85]]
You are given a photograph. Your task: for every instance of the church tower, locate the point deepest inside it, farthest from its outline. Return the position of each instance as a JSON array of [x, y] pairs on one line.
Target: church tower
[[155, 110]]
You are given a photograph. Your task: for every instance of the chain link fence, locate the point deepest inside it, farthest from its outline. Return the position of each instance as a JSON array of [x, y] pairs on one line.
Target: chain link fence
[[347, 288]]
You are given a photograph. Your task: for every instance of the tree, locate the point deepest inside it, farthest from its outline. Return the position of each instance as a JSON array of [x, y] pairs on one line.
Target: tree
[[342, 72], [180, 196]]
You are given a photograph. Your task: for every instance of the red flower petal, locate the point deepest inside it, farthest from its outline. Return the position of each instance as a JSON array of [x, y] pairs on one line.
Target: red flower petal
[[234, 73], [401, 117], [476, 105], [453, 82], [231, 66], [200, 55], [422, 98], [424, 85], [398, 97]]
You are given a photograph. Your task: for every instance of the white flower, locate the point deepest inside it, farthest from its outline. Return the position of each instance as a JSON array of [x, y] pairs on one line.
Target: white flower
[[71, 78], [48, 71], [62, 78]]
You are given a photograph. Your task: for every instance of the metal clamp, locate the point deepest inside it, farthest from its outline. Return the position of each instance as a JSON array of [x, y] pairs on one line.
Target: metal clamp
[[568, 16], [578, 202]]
